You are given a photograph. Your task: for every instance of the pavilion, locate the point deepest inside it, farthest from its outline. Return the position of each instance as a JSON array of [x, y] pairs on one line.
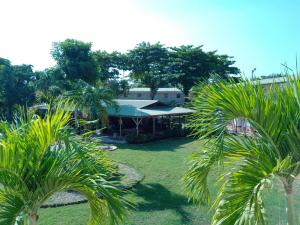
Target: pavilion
[[137, 111]]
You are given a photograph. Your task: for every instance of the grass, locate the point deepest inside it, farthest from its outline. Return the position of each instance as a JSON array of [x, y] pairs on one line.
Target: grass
[[159, 198]]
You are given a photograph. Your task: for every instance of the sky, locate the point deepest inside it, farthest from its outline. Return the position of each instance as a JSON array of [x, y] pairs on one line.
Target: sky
[[261, 34]]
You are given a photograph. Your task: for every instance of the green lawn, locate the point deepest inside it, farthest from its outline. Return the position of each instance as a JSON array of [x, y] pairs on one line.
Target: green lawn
[[159, 197]]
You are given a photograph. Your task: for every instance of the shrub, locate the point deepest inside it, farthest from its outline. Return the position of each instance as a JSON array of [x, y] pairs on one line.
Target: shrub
[[131, 138]]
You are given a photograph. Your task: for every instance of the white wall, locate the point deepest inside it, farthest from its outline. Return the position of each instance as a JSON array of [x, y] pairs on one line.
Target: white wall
[[162, 96]]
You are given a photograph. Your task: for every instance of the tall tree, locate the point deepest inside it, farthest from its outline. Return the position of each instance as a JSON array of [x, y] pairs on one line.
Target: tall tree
[[119, 87], [16, 86], [148, 64], [50, 84], [84, 71], [273, 75], [190, 65], [75, 58], [111, 71], [270, 156], [42, 156], [110, 64]]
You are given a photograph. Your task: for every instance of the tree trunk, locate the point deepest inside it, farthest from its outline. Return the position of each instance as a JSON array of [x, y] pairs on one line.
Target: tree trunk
[[76, 118], [33, 218], [152, 94], [186, 92], [10, 112], [288, 186]]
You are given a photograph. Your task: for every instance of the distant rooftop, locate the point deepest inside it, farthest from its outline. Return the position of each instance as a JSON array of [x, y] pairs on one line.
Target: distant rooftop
[[135, 103], [145, 89], [273, 80]]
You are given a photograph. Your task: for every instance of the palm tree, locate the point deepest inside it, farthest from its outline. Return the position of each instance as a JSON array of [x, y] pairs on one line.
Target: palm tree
[[42, 156], [92, 100], [250, 162]]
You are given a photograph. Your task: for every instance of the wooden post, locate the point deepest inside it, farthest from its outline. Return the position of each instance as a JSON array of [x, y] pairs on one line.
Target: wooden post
[[120, 125], [137, 122], [236, 125], [153, 120]]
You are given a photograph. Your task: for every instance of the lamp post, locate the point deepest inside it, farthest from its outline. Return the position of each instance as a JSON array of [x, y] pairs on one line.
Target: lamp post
[[252, 73]]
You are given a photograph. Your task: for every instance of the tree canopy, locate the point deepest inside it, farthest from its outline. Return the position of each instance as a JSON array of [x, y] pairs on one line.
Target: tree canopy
[[110, 64], [148, 64], [16, 86], [50, 84], [154, 66], [190, 65], [75, 58]]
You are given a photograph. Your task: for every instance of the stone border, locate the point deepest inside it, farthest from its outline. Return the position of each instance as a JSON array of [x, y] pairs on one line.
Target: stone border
[[129, 178]]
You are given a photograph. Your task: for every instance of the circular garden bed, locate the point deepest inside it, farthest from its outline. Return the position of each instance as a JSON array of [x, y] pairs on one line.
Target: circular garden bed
[[128, 178]]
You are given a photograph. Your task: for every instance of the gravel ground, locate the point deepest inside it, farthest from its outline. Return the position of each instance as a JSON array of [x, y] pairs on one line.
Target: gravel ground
[[129, 178], [64, 198]]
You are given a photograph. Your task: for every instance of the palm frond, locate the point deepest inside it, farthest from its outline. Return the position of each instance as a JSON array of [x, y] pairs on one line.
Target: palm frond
[[239, 200], [251, 162], [41, 156]]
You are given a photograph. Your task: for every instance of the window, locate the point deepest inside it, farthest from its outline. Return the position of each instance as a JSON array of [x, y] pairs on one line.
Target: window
[[166, 95], [178, 96], [139, 95]]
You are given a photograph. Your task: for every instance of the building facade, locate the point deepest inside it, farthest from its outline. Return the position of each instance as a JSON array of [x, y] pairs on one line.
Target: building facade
[[165, 95]]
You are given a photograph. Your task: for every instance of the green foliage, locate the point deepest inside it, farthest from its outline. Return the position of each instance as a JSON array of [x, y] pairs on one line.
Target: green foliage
[[273, 75], [148, 64], [109, 64], [119, 87], [250, 163], [76, 60], [87, 76], [50, 84], [16, 87], [111, 67], [92, 100], [131, 138], [154, 66], [159, 197], [190, 65], [42, 156]]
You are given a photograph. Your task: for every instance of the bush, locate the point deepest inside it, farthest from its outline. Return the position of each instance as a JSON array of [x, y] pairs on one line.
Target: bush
[[131, 138]]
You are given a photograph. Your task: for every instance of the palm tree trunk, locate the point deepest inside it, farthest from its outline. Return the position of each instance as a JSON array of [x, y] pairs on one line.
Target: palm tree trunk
[[76, 118], [33, 218], [288, 186]]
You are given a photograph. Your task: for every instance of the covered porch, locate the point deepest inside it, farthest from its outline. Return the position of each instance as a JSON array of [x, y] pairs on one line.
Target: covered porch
[[145, 116], [141, 125]]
